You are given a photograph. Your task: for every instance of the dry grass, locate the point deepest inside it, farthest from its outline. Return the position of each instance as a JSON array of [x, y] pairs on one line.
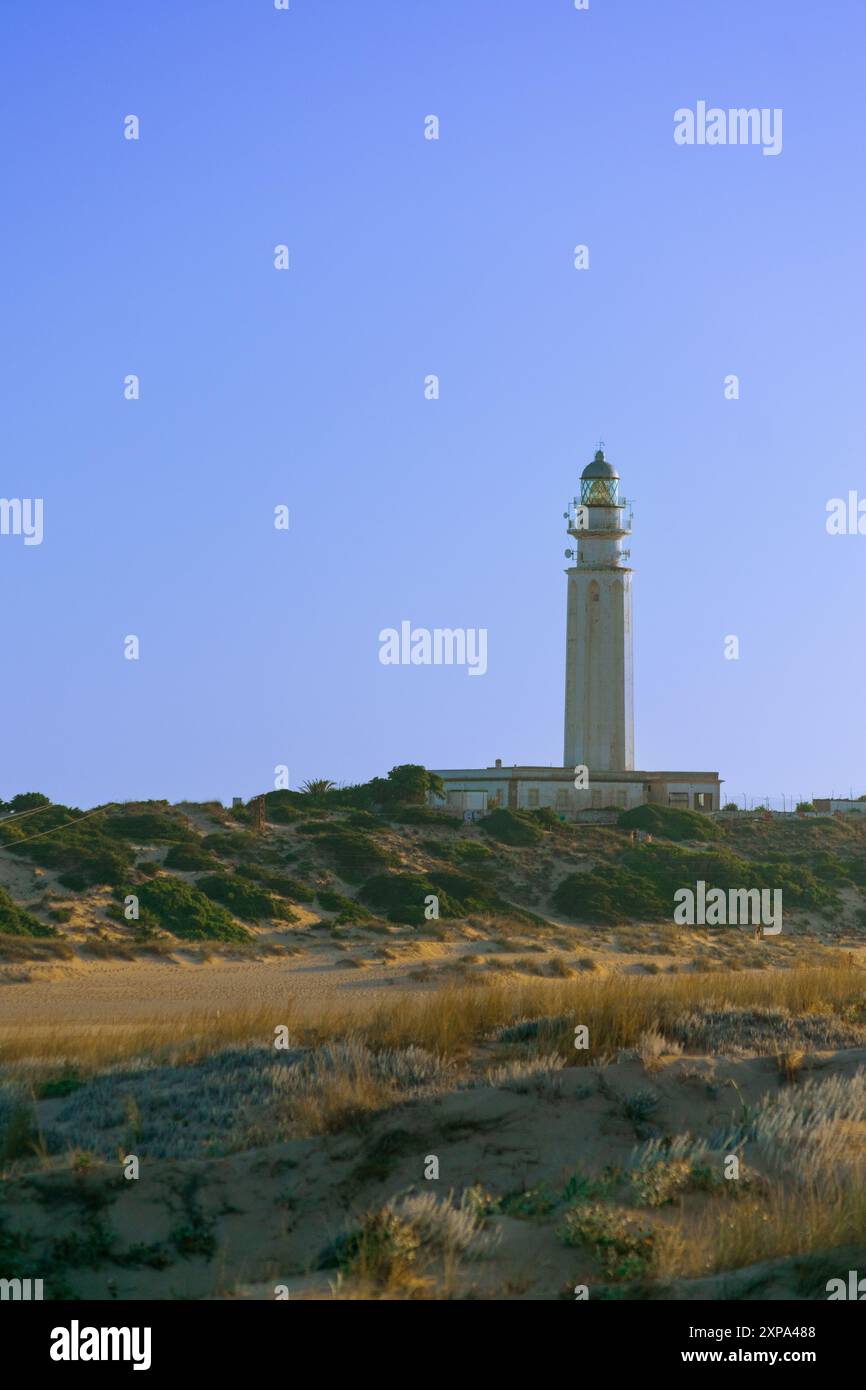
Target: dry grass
[[652, 1046], [813, 1132], [790, 1064], [618, 1009], [411, 1248], [337, 1085], [779, 1223]]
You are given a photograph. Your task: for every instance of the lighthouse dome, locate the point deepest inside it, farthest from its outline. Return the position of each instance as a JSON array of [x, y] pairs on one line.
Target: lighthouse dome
[[600, 467], [599, 483]]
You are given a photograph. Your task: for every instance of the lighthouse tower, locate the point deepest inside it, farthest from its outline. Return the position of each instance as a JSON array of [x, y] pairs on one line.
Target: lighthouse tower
[[599, 698]]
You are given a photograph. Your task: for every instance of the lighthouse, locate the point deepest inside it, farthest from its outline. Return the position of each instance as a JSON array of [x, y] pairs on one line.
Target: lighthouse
[[599, 681], [599, 700]]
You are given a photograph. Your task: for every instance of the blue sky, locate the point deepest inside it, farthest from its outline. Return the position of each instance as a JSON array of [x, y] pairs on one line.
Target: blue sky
[[408, 256]]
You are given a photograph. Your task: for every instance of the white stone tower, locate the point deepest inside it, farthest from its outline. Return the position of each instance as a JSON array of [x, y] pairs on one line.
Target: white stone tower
[[599, 697]]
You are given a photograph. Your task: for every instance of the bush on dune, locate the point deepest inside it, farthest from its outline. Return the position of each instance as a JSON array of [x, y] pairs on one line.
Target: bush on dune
[[227, 843], [243, 898], [281, 884], [14, 921], [61, 837], [402, 897], [512, 827], [148, 828], [187, 912], [669, 822], [642, 883], [354, 854], [189, 856]]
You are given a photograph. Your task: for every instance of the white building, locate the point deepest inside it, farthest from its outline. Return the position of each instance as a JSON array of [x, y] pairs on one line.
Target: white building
[[598, 776]]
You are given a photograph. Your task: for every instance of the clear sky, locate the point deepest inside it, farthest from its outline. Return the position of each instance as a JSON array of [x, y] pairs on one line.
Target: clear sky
[[305, 387]]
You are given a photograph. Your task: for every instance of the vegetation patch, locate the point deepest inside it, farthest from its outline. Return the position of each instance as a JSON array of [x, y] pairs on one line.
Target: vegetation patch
[[243, 898], [189, 855], [669, 822], [14, 921], [354, 854], [59, 837], [187, 912], [148, 828], [512, 827], [282, 884]]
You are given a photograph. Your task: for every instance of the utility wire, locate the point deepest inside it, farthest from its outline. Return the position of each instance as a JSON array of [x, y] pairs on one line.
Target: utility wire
[[55, 829]]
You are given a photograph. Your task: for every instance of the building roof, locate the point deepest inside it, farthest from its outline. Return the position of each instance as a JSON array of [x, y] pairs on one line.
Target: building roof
[[530, 773]]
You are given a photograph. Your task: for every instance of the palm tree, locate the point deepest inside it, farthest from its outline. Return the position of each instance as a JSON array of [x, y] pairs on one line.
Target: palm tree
[[318, 786]]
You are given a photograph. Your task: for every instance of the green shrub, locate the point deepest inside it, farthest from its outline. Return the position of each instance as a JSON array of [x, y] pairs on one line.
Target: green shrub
[[355, 855], [610, 895], [402, 897], [14, 921], [63, 1083], [243, 898], [226, 843], [19, 1137], [643, 882], [148, 828], [472, 851], [347, 907], [189, 855], [280, 808], [624, 1249], [80, 847], [669, 822], [281, 884], [187, 912], [25, 801], [511, 827]]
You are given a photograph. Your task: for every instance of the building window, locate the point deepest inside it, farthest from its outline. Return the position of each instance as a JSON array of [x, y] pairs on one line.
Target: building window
[[494, 800], [532, 796], [620, 798], [703, 801], [562, 799], [595, 800], [678, 798]]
